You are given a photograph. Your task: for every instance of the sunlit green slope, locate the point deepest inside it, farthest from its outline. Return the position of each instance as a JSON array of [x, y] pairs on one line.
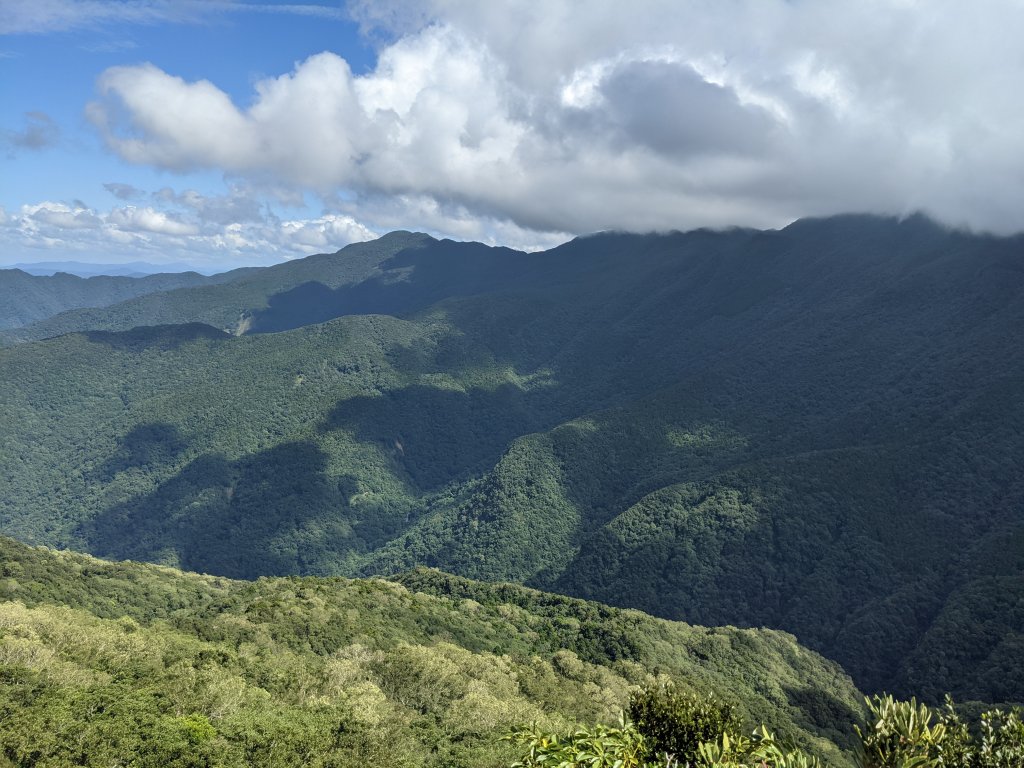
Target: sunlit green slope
[[123, 663]]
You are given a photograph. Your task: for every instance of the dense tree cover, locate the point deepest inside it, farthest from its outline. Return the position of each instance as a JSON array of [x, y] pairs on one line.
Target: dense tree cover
[[122, 663], [26, 298], [817, 429]]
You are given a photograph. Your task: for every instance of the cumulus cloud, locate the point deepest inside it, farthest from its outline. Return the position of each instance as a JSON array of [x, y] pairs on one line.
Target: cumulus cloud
[[179, 226], [60, 216], [330, 228], [39, 132], [550, 117], [133, 219]]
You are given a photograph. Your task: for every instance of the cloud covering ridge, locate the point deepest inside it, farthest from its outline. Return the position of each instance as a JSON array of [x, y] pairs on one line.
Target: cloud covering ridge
[[524, 123], [558, 117]]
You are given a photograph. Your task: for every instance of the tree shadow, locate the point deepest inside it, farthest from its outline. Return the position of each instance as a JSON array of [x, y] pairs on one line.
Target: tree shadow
[[411, 280], [817, 709], [437, 435], [271, 513], [156, 336], [147, 445]]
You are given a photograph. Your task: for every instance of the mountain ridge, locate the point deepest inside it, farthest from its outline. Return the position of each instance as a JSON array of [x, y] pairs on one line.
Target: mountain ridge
[[227, 298]]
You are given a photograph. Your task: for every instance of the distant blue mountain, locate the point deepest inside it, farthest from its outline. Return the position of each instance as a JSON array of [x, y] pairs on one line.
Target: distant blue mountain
[[128, 269]]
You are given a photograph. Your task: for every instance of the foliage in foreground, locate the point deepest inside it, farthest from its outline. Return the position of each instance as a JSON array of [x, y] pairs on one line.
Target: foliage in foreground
[[121, 663], [667, 728], [678, 723], [625, 746], [906, 734], [599, 747], [674, 730]]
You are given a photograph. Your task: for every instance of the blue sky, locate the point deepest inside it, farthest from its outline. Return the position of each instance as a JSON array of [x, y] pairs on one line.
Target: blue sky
[[223, 132], [55, 73], [49, 72]]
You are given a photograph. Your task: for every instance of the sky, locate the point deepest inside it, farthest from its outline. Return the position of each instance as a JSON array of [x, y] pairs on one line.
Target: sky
[[222, 133]]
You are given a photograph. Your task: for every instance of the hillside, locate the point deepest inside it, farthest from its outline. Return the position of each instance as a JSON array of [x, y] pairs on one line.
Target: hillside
[[815, 429], [100, 661], [26, 299]]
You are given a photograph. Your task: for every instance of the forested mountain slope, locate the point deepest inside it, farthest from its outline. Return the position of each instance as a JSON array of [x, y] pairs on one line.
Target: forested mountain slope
[[230, 300], [816, 429], [25, 298], [102, 662]]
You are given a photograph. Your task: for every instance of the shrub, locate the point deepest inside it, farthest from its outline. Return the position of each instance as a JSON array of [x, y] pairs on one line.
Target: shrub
[[598, 747], [669, 730], [677, 723], [900, 735]]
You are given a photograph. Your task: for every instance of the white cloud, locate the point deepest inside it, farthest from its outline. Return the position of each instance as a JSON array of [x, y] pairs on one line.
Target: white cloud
[[132, 219], [320, 233], [521, 117], [179, 228], [59, 216], [165, 113]]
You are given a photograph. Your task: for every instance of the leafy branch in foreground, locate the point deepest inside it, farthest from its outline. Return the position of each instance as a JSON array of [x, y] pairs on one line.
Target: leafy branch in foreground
[[668, 729], [626, 747], [901, 734], [598, 747]]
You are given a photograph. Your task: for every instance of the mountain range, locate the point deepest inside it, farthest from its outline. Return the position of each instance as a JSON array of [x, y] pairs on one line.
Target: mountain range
[[816, 429], [91, 269], [26, 298]]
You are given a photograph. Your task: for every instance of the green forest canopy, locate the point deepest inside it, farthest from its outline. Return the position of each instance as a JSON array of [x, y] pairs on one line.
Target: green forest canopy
[[101, 662]]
